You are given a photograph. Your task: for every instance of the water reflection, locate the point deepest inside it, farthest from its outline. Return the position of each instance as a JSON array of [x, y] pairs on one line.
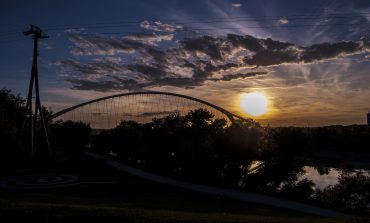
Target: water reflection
[[329, 177], [321, 180], [321, 177]]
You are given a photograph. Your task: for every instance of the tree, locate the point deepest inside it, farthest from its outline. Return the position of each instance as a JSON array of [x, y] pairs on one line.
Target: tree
[[195, 147], [69, 136], [351, 192], [12, 114]]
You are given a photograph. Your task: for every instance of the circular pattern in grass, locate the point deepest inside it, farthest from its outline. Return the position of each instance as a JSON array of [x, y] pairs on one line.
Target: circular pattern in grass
[[39, 181]]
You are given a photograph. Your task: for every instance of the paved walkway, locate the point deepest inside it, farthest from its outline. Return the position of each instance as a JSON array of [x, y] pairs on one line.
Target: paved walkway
[[233, 194]]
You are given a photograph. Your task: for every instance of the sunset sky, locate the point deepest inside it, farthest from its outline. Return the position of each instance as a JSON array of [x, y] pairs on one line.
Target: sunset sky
[[309, 58]]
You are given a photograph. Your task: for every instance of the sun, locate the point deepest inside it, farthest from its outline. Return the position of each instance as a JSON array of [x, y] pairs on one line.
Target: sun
[[254, 103]]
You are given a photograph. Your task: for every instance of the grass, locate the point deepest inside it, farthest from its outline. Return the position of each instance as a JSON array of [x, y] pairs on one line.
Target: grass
[[64, 212]]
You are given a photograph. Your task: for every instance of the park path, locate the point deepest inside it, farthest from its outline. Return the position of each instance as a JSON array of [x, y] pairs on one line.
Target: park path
[[232, 194]]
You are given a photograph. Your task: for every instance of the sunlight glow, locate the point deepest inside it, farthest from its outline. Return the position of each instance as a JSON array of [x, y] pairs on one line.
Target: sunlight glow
[[254, 103]]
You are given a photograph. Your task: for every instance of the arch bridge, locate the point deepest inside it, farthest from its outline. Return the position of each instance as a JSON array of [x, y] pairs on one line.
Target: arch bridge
[[107, 112]]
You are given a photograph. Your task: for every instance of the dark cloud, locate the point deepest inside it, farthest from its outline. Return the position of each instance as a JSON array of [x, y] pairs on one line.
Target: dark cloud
[[206, 44], [246, 42], [327, 50], [162, 113], [272, 57], [97, 86], [152, 72], [97, 68], [99, 45], [240, 76], [190, 63], [269, 52]]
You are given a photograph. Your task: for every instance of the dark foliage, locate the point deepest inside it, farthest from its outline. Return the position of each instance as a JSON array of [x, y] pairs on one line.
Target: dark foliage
[[351, 192], [290, 141], [195, 147], [342, 138], [12, 113], [70, 137], [279, 178], [298, 190]]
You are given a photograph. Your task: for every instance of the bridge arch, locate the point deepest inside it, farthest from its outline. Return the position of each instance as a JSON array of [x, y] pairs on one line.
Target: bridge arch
[[84, 111]]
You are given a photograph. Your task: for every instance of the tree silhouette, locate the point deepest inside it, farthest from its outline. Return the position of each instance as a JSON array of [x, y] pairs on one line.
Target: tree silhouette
[[70, 137], [12, 113]]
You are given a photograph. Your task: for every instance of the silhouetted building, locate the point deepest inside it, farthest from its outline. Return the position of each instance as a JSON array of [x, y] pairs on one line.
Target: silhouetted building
[[368, 118]]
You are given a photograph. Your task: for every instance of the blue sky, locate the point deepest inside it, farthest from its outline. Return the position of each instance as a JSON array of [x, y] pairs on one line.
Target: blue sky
[[308, 57]]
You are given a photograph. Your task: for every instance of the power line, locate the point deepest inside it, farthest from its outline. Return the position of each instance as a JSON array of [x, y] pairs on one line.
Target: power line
[[134, 24], [8, 33], [240, 28], [184, 21], [256, 18], [13, 40], [202, 29], [193, 21]]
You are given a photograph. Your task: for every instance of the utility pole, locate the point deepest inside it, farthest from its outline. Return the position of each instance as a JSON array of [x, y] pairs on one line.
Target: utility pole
[[31, 118]]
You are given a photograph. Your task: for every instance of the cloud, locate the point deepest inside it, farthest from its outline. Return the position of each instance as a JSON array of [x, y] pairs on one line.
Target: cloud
[[74, 30], [102, 86], [100, 68], [191, 62], [270, 52], [236, 5], [115, 60], [46, 45], [207, 45], [102, 45], [150, 38], [159, 26], [241, 76], [161, 113], [283, 21]]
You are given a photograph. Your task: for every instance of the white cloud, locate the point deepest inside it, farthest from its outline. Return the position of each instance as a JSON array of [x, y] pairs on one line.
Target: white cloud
[[283, 21], [46, 45], [151, 39], [159, 26], [74, 30], [236, 5], [114, 60]]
